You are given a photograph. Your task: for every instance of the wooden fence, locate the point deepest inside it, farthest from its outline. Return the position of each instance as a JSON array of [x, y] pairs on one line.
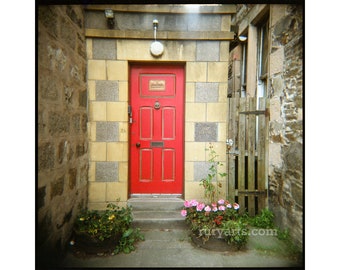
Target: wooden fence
[[247, 156]]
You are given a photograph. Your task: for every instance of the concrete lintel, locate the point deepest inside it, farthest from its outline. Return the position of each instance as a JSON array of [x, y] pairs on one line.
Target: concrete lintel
[[181, 9], [161, 35]]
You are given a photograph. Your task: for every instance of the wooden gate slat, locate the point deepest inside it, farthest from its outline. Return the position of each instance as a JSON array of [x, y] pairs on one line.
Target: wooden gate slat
[[261, 174], [241, 148], [251, 154], [232, 125]]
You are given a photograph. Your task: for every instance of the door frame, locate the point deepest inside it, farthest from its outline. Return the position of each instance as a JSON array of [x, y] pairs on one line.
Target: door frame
[[132, 64]]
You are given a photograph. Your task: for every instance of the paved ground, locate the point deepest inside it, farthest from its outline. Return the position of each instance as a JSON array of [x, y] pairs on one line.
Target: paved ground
[[172, 247]]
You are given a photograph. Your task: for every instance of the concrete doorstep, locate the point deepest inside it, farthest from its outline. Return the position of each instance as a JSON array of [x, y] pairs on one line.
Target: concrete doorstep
[[168, 244]]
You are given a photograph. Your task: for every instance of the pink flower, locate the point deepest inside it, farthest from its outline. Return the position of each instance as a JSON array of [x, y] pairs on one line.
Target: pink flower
[[200, 206], [187, 203], [194, 203], [184, 213], [229, 205], [207, 208], [236, 206], [213, 204], [214, 209], [221, 208], [221, 201]]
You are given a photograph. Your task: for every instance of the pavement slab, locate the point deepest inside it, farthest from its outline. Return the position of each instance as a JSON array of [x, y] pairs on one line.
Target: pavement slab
[[168, 247]]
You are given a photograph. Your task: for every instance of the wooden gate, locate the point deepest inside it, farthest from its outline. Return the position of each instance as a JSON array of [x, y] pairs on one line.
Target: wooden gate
[[247, 153]]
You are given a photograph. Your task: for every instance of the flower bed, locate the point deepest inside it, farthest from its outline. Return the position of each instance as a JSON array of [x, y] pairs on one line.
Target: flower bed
[[217, 220], [107, 231]]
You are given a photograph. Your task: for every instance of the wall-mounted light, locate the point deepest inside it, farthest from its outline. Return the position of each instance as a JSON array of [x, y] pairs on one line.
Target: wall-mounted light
[[110, 18], [242, 38], [156, 47]]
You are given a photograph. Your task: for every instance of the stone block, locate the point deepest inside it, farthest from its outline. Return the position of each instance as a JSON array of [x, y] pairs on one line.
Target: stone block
[[123, 132], [98, 151], [219, 148], [58, 123], [104, 49], [189, 171], [92, 127], [206, 22], [201, 170], [206, 92], [131, 49], [123, 171], [107, 91], [117, 111], [96, 70], [222, 132], [123, 91], [179, 50], [217, 72], [206, 132], [190, 92], [80, 149], [117, 190], [208, 51], [189, 132], [195, 151], [224, 51], [57, 187], [117, 70], [97, 192], [107, 171], [107, 131], [75, 15], [276, 63], [97, 111], [225, 23], [91, 88], [195, 112], [82, 100], [117, 151], [46, 157], [196, 72], [48, 17], [193, 191], [68, 33], [72, 178], [223, 92], [92, 171], [89, 46], [62, 149], [216, 112], [49, 88], [41, 197]]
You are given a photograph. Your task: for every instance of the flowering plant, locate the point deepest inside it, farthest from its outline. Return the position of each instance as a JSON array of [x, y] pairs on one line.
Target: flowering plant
[[111, 228], [220, 219]]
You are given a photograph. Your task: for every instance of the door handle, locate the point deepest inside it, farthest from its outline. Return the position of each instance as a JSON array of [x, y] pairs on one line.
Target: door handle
[[138, 144]]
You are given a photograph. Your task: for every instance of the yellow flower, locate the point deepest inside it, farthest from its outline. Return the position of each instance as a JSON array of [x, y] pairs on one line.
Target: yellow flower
[[111, 217], [81, 219]]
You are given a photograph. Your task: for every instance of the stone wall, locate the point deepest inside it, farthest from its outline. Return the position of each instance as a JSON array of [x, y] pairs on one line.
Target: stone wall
[[206, 82], [286, 126], [285, 90], [62, 156]]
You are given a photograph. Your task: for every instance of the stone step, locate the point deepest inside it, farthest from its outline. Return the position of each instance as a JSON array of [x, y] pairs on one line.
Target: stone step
[[156, 204], [157, 213]]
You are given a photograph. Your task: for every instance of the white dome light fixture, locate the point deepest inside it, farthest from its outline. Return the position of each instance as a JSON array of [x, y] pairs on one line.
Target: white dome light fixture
[[156, 47]]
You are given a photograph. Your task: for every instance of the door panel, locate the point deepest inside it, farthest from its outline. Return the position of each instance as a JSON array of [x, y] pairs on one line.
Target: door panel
[[156, 129]]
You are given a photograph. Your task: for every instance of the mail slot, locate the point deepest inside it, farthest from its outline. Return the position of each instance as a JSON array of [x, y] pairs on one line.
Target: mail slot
[[157, 144]]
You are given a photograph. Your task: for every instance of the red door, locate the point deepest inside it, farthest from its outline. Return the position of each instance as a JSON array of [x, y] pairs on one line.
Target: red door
[[156, 129]]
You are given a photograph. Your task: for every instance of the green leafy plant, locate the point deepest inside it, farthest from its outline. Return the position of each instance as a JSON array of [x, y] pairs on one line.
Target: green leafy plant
[[112, 226], [236, 232], [211, 182], [264, 220]]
